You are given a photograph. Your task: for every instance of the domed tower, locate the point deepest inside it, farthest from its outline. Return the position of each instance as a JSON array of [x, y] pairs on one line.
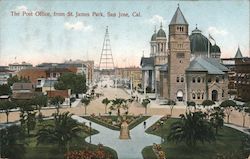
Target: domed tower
[[179, 56], [161, 51], [215, 51], [153, 44]]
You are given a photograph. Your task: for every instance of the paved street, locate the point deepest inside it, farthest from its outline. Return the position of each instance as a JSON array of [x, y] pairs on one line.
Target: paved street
[[129, 149]]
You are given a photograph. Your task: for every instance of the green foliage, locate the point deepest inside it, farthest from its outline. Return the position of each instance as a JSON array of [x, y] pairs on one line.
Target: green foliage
[[11, 143], [192, 128], [171, 104], [77, 83], [57, 101], [106, 101], [228, 106], [191, 104], [207, 103], [145, 103], [61, 133], [40, 101], [117, 104], [5, 90], [217, 118], [244, 109], [15, 79], [86, 102], [6, 106]]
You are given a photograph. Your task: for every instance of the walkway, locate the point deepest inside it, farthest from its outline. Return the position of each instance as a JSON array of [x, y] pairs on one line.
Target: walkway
[[126, 149], [239, 128]]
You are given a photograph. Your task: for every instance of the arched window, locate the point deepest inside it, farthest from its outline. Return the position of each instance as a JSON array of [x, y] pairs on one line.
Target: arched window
[[198, 95], [223, 93], [209, 80], [193, 79], [198, 79], [182, 79], [178, 79], [193, 95], [202, 95], [217, 79]]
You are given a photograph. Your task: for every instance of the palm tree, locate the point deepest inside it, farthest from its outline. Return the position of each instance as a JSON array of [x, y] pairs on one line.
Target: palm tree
[[106, 101], [217, 118], [192, 128], [57, 101], [145, 103], [244, 109], [171, 104], [61, 132], [191, 104], [6, 106], [117, 104], [86, 102], [12, 142], [228, 106]]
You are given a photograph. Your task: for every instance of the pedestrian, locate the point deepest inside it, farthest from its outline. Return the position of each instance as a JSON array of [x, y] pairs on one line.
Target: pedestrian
[[144, 123]]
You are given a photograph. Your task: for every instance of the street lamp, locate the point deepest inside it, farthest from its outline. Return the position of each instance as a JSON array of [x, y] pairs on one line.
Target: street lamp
[[90, 132]]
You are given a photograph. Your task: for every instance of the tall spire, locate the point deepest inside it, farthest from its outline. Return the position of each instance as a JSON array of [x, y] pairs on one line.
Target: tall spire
[[178, 17], [161, 25], [238, 53]]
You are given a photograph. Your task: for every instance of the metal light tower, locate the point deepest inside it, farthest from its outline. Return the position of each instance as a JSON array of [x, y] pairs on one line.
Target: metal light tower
[[106, 60]]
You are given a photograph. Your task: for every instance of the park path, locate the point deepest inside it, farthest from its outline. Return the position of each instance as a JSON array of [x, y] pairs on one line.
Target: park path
[[126, 149]]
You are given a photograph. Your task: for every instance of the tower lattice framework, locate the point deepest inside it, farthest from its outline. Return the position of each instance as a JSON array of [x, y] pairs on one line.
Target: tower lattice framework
[[106, 60]]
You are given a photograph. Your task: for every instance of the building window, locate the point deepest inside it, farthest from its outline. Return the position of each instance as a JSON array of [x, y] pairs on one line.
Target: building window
[[199, 80], [178, 79], [217, 79], [182, 79], [180, 55], [193, 79], [223, 93], [193, 95], [198, 95], [209, 80], [202, 95]]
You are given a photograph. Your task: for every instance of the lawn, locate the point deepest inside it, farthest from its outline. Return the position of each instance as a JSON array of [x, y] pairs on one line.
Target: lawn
[[106, 121], [48, 151], [227, 141]]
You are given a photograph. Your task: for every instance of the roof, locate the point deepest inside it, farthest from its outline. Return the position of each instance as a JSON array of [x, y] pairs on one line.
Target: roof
[[62, 93], [164, 67], [23, 95], [178, 18], [49, 83], [147, 61], [238, 53], [209, 65], [23, 86]]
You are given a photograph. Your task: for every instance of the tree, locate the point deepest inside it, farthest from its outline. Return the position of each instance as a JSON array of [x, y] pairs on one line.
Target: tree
[[207, 104], [145, 103], [27, 116], [117, 104], [5, 90], [40, 101], [61, 132], [171, 104], [6, 106], [77, 83], [106, 101], [86, 102], [191, 104], [12, 142], [217, 118], [13, 79], [244, 109], [192, 128], [228, 106], [57, 101]]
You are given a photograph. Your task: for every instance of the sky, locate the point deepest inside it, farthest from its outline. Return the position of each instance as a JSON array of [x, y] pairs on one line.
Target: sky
[[36, 39]]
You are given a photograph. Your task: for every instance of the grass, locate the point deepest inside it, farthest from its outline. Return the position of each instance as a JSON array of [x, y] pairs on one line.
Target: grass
[[227, 141], [133, 124], [49, 151]]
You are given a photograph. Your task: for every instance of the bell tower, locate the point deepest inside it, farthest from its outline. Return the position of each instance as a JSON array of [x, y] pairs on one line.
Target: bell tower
[[178, 57]]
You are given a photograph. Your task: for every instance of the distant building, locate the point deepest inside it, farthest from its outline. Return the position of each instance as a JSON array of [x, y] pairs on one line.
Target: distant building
[[17, 67], [239, 76], [5, 73], [23, 91]]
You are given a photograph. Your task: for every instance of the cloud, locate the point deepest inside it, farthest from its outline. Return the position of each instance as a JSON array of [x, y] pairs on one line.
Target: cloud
[[22, 8], [216, 31], [78, 26], [156, 19]]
